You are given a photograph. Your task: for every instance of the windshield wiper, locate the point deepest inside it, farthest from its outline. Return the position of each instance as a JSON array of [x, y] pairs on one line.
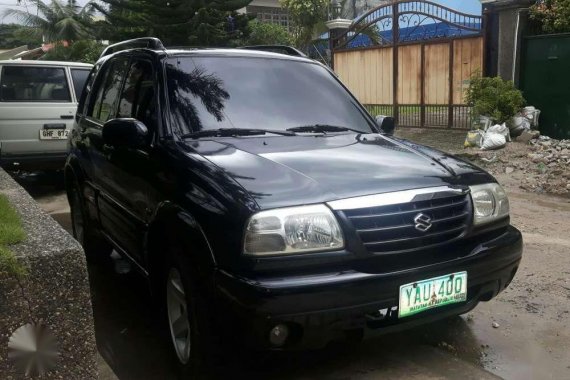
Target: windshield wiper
[[228, 132], [322, 128]]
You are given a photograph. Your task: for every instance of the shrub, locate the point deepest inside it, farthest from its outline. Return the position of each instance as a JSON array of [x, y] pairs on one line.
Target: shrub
[[494, 97], [264, 33], [552, 16]]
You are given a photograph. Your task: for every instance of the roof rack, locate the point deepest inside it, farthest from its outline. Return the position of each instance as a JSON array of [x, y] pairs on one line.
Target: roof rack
[[145, 42], [283, 49]]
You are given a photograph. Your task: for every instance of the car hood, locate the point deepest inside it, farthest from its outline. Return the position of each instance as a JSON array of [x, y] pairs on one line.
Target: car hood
[[280, 171]]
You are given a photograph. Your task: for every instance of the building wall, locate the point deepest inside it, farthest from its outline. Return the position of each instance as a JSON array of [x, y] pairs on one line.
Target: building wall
[[268, 11], [505, 42]]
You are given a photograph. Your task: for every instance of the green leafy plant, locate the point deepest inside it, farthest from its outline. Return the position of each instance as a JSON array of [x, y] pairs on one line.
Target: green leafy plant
[[11, 232], [81, 51], [57, 20], [306, 16], [14, 35], [174, 22], [552, 16], [494, 97], [265, 33]]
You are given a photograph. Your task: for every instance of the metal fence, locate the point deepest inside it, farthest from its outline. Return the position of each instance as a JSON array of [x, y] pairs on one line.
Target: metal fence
[[412, 60]]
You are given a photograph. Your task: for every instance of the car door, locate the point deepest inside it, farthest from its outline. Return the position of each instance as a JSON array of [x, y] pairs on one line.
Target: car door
[[37, 109], [125, 172]]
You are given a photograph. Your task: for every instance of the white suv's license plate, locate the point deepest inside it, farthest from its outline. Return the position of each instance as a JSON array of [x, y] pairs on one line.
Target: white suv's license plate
[[434, 292], [53, 134]]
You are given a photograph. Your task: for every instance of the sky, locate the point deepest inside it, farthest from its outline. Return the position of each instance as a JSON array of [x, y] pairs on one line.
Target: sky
[[465, 6]]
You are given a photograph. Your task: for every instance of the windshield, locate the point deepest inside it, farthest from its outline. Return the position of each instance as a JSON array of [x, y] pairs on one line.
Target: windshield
[[273, 94]]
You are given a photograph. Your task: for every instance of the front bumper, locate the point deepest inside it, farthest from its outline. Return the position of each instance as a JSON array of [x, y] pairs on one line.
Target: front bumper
[[322, 308]]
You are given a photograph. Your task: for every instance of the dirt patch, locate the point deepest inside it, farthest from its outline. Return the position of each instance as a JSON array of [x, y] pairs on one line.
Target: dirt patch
[[540, 165]]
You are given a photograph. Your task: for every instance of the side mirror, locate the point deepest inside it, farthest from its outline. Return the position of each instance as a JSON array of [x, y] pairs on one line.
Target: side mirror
[[125, 133], [386, 124]]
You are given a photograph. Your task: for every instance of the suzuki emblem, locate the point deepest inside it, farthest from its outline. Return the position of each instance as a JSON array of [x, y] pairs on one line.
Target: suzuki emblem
[[422, 222]]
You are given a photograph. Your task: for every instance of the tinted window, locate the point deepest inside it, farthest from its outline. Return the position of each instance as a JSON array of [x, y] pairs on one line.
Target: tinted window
[[213, 92], [137, 99], [33, 84], [107, 91], [79, 77]]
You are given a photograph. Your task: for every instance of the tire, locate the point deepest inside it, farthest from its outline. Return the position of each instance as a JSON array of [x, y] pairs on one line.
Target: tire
[[97, 250], [192, 341]]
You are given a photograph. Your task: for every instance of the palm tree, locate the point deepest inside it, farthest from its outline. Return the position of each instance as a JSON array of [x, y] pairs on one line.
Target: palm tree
[[57, 20]]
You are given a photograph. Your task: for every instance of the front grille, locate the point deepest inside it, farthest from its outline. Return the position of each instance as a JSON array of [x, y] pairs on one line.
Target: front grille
[[390, 229]]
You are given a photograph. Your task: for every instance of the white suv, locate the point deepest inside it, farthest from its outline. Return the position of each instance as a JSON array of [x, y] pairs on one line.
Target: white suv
[[38, 100]]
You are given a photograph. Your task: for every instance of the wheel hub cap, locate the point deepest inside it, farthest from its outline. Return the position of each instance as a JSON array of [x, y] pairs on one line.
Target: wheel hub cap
[[178, 315]]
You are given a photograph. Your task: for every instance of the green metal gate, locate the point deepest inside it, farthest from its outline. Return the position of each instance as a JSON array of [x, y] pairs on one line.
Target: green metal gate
[[545, 81]]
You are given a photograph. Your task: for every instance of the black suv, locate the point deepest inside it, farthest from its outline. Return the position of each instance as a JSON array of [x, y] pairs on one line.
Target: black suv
[[263, 203]]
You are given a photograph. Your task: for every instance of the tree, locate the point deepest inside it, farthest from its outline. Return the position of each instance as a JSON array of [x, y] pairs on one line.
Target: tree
[[177, 22], [264, 33], [552, 16], [306, 15], [81, 51], [309, 17], [57, 21], [13, 35]]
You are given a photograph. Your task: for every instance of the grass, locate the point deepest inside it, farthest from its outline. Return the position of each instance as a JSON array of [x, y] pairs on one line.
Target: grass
[[11, 232]]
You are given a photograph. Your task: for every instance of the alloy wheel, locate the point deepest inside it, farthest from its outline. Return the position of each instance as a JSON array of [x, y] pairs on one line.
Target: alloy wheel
[[77, 218], [178, 321]]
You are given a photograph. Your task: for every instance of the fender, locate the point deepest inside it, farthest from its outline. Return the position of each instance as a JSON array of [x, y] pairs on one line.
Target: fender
[[171, 219]]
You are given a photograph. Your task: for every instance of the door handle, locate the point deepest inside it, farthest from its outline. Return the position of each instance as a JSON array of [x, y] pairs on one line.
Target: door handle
[[66, 117]]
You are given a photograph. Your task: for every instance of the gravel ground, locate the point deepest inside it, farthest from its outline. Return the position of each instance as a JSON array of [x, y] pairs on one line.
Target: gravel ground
[[540, 165]]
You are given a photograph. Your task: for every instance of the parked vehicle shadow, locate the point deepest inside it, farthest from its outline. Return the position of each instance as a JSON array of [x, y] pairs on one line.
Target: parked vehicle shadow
[[134, 346], [40, 183]]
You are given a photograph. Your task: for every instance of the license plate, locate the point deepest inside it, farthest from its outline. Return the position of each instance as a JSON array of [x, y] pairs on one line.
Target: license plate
[[53, 134], [434, 292]]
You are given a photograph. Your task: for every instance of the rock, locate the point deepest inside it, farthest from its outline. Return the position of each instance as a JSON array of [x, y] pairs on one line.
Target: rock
[[509, 170], [527, 135], [495, 325], [536, 157]]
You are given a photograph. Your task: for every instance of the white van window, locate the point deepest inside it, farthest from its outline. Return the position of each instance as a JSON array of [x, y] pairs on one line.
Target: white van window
[[33, 84], [79, 77]]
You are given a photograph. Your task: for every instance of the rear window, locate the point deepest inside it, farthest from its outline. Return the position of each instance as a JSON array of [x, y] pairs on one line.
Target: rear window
[[33, 84], [79, 77]]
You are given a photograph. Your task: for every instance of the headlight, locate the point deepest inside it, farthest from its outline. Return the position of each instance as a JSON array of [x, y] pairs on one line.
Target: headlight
[[292, 230], [490, 202]]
